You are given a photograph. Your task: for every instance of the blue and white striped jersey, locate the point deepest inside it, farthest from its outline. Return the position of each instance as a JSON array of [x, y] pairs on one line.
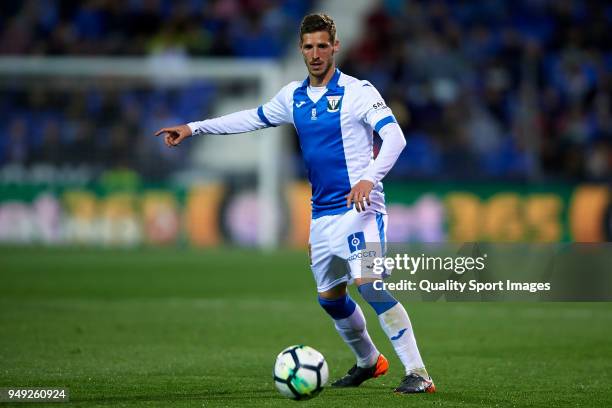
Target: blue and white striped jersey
[[335, 129]]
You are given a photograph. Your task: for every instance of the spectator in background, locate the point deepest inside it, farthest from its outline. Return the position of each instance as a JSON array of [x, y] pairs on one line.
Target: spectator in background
[[115, 27], [17, 146], [489, 89], [51, 150], [81, 149], [525, 75]]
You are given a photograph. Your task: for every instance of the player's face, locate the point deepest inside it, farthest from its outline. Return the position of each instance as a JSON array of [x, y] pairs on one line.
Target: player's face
[[318, 52]]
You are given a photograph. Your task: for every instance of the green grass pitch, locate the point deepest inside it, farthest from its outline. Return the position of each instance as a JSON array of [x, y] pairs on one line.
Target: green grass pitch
[[162, 327]]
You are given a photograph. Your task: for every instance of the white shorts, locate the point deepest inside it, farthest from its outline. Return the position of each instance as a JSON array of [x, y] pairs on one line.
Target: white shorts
[[339, 245]]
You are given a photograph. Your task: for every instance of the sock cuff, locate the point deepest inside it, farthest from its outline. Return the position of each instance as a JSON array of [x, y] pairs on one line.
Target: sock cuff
[[380, 300], [340, 308], [370, 360]]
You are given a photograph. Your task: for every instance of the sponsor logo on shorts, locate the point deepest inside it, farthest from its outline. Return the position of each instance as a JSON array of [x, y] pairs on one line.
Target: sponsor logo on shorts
[[361, 255], [356, 241]]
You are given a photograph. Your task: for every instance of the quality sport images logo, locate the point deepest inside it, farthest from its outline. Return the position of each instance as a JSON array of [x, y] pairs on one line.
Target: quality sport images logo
[[357, 245]]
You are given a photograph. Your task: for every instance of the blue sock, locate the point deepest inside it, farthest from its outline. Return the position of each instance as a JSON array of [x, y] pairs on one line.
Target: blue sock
[[380, 300], [351, 326], [338, 308]]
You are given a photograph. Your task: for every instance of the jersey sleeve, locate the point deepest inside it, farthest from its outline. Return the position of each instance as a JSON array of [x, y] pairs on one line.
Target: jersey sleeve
[[392, 146], [371, 108], [278, 110], [273, 113], [237, 122]]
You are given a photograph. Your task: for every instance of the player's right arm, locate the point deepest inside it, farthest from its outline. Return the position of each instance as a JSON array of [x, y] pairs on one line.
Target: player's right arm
[[276, 112]]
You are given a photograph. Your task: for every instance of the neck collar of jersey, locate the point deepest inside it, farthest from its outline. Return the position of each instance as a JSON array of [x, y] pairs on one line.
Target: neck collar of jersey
[[332, 84]]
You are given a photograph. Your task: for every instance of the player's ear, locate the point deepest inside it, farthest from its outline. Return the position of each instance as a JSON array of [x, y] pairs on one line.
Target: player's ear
[[336, 46]]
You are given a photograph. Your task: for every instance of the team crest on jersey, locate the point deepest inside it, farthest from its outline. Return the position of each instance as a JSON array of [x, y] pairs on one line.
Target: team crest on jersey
[[333, 103]]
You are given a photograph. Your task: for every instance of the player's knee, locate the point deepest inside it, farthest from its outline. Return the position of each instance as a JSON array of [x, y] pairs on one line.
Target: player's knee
[[335, 292], [340, 308], [380, 300]]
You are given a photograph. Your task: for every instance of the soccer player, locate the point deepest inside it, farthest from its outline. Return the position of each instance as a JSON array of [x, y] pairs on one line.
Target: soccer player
[[335, 116]]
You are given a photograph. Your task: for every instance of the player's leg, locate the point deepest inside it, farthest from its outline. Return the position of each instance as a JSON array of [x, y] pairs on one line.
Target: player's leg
[[330, 274], [396, 324], [370, 226], [350, 324]]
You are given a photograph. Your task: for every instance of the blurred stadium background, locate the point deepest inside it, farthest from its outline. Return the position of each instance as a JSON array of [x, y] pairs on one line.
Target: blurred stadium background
[[506, 108]]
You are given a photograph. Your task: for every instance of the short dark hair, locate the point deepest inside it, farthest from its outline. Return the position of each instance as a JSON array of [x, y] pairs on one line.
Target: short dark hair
[[318, 22]]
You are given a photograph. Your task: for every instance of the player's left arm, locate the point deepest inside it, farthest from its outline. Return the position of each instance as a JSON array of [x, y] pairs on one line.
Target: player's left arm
[[375, 113]]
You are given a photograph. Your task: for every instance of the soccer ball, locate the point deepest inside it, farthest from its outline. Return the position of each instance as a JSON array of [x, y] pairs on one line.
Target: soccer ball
[[300, 372]]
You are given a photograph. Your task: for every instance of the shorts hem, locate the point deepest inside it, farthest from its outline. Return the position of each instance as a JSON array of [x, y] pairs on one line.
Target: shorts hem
[[332, 284]]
